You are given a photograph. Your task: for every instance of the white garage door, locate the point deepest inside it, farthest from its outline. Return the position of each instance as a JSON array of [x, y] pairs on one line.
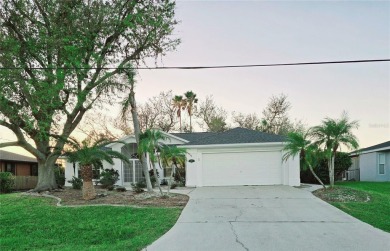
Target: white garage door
[[241, 168]]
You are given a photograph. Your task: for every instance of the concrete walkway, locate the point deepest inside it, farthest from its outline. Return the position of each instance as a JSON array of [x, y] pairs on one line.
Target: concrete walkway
[[266, 218]]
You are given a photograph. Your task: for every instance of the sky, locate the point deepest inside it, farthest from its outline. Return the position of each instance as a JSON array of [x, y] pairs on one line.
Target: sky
[[264, 32]]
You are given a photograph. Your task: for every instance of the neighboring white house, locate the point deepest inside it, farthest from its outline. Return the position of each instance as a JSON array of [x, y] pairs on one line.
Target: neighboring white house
[[372, 162], [236, 157]]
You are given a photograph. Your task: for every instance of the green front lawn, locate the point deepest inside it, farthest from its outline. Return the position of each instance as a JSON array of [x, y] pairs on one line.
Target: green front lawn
[[375, 212], [29, 223]]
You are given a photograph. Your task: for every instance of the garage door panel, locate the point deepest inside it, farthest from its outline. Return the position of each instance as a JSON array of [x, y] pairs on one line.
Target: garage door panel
[[241, 168]]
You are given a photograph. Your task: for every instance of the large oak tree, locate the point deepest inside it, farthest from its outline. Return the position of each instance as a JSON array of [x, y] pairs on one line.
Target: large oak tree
[[58, 58]]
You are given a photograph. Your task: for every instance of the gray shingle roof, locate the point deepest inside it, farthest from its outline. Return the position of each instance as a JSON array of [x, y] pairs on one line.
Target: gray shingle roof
[[4, 155], [233, 136], [374, 147]]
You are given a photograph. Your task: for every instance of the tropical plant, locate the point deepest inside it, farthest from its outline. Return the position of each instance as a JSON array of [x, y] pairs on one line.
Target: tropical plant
[[88, 155], [77, 183], [190, 102], [333, 133], [298, 144], [172, 155], [108, 178], [179, 104], [150, 145]]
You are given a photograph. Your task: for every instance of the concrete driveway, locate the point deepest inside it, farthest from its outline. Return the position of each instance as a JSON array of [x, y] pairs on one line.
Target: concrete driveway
[[266, 218]]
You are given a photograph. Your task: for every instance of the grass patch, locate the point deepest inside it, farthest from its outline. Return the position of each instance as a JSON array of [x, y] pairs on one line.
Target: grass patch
[[29, 223], [375, 211]]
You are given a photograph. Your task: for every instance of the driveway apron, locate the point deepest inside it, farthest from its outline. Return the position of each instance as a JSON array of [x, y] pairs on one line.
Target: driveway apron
[[266, 218]]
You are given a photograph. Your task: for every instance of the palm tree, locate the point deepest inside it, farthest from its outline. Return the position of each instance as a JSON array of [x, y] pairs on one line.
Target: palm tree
[[190, 100], [332, 134], [90, 155], [299, 144], [179, 104], [150, 144], [130, 103], [173, 155]]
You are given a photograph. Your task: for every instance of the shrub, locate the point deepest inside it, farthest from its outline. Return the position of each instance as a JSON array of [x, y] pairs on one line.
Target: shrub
[[121, 189], [7, 182], [342, 162], [108, 178], [174, 185], [139, 186], [77, 183], [60, 177], [180, 176]]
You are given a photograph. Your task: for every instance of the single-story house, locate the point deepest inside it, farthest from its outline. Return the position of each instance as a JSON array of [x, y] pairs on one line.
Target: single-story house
[[372, 162], [235, 157], [18, 164]]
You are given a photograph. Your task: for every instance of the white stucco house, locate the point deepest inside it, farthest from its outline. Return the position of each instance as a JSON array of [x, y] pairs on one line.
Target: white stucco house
[[232, 158], [373, 163]]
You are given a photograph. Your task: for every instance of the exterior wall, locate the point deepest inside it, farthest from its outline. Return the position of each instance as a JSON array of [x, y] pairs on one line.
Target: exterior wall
[[21, 168], [369, 167], [194, 173]]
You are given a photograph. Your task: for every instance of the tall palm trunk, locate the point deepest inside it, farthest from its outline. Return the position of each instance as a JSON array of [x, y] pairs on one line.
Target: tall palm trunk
[[331, 171], [89, 192], [315, 175], [190, 123], [180, 122], [137, 132]]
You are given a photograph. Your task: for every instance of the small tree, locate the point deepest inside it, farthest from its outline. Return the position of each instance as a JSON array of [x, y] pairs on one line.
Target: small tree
[[298, 144], [332, 134], [173, 155], [150, 145], [90, 155]]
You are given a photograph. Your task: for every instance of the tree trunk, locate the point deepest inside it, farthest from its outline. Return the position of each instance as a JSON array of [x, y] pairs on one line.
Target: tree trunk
[[89, 192], [170, 177], [46, 176], [331, 172], [137, 132], [180, 122], [155, 175], [315, 175], [190, 124]]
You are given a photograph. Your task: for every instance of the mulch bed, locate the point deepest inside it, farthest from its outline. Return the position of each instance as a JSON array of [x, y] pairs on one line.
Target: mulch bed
[[71, 196], [342, 194]]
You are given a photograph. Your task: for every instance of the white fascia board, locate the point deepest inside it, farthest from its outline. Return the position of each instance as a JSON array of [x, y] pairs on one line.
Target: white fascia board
[[232, 145], [174, 137], [374, 150], [123, 139]]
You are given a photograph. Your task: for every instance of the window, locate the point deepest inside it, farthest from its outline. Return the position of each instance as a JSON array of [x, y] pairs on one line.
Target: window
[[381, 169], [34, 170], [10, 167]]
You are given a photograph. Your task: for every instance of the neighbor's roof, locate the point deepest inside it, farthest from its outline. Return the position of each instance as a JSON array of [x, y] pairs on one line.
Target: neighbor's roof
[[4, 155], [233, 136], [381, 146]]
